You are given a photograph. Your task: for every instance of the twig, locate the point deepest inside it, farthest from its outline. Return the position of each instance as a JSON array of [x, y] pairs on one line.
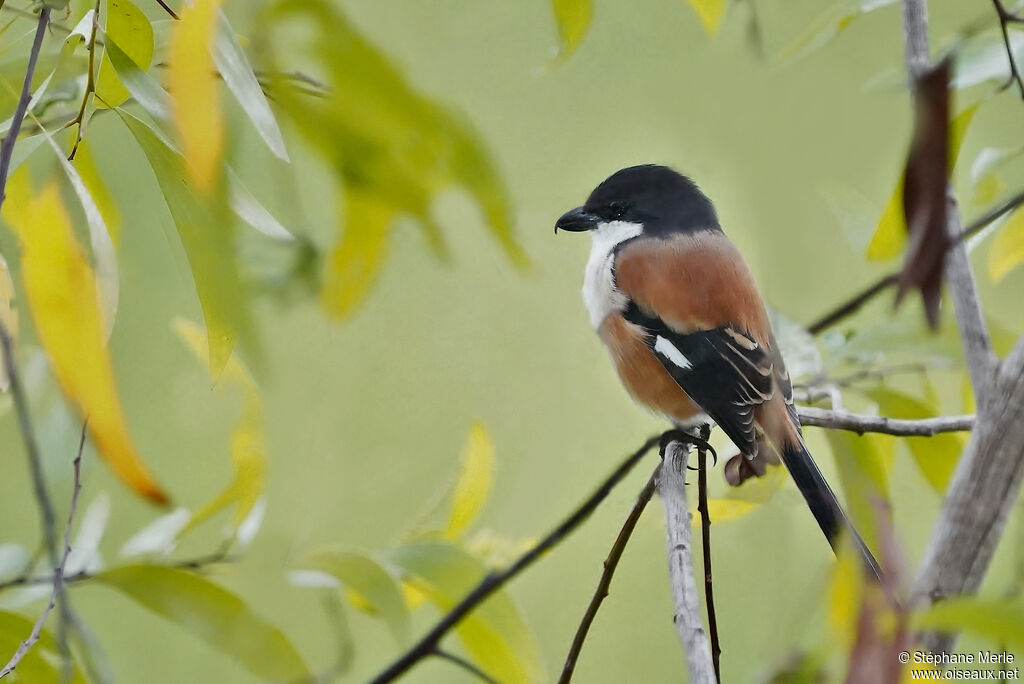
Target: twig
[[496, 579], [196, 564], [58, 575], [1005, 18], [853, 304], [709, 593], [168, 9], [611, 562], [855, 422], [90, 84], [7, 147], [465, 665], [686, 615]]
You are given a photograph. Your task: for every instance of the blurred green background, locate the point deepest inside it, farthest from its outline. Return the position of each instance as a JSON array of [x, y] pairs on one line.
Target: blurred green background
[[366, 418]]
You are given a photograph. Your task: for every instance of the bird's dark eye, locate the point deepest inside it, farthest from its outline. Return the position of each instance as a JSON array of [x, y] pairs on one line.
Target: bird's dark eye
[[617, 210]]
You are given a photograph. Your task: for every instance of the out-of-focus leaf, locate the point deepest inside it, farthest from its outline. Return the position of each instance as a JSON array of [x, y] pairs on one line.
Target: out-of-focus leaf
[[890, 236], [745, 498], [195, 93], [710, 13], [936, 456], [797, 346], [37, 94], [23, 149], [249, 209], [989, 161], [495, 635], [854, 212], [925, 180], [127, 26], [35, 667], [85, 549], [8, 314], [159, 537], [85, 163], [213, 614], [248, 443], [997, 620], [376, 589], [208, 237], [1007, 250], [356, 260], [251, 524], [864, 462], [103, 255], [62, 295], [832, 21], [394, 150], [573, 18], [983, 58], [14, 560], [473, 486], [149, 94], [241, 81], [845, 594]]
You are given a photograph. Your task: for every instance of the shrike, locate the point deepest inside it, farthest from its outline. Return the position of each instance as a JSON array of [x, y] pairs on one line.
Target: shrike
[[675, 304]]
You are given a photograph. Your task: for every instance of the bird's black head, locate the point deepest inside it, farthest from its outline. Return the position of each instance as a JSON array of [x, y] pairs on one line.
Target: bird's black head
[[657, 197]]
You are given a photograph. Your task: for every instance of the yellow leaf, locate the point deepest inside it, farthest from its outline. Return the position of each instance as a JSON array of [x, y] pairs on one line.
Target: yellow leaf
[[8, 315], [890, 236], [476, 476], [62, 295], [127, 26], [85, 162], [748, 496], [845, 593], [1008, 248], [573, 18], [356, 260], [710, 13], [248, 443], [195, 92]]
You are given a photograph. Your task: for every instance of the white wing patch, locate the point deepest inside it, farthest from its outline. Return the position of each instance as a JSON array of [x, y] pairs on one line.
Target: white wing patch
[[599, 291], [671, 352]]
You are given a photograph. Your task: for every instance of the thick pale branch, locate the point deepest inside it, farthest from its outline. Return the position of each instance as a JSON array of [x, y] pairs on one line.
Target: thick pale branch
[[687, 614], [854, 422]]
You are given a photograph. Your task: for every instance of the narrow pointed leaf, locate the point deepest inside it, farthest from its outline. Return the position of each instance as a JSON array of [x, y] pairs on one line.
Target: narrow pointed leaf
[[999, 621], [143, 88], [238, 76], [62, 295], [374, 586], [710, 13], [864, 462], [473, 486], [495, 634], [1007, 252], [573, 19], [356, 261], [213, 614], [195, 93]]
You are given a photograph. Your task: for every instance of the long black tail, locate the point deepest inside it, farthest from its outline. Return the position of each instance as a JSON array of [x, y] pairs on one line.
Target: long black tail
[[824, 505]]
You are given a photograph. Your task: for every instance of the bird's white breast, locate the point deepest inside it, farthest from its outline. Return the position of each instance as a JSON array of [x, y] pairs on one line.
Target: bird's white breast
[[600, 294]]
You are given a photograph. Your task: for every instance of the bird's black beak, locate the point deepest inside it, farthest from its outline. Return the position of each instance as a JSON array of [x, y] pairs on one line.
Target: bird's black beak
[[576, 221]]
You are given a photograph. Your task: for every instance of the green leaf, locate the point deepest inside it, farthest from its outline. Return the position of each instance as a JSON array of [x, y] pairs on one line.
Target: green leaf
[[746, 498], [864, 462], [495, 634], [208, 237], [473, 486], [1007, 252], [573, 18], [238, 76], [710, 13], [128, 27], [983, 58], [394, 150], [374, 586], [890, 236], [213, 614], [998, 620], [142, 87], [936, 456]]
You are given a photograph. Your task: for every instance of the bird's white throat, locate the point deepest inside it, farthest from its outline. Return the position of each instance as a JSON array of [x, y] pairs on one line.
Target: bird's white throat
[[599, 291]]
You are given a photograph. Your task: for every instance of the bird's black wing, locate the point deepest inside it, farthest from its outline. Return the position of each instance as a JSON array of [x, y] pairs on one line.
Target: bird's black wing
[[724, 370]]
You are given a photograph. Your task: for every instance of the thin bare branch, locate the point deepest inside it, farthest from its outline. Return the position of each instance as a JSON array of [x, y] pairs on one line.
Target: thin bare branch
[[611, 562], [58, 577], [1005, 18], [497, 579], [466, 665], [709, 593], [859, 423], [686, 615]]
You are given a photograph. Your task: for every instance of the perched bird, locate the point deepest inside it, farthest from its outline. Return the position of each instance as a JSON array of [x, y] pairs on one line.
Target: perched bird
[[674, 302]]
